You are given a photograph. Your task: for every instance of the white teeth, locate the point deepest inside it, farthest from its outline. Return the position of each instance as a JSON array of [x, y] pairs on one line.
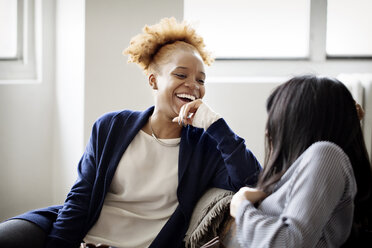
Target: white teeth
[[191, 97]]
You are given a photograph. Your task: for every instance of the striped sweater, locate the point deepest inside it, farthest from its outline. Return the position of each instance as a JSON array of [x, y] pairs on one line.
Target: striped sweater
[[311, 206]]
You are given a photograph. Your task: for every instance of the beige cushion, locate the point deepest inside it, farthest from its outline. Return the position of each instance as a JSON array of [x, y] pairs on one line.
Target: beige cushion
[[211, 211]]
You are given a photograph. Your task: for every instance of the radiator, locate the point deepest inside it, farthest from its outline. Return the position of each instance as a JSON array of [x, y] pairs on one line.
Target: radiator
[[360, 86]]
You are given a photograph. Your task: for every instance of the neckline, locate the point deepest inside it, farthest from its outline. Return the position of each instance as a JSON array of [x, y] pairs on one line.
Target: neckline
[[172, 142], [160, 141]]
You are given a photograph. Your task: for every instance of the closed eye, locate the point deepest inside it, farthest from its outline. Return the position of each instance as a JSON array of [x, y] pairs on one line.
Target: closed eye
[[182, 76]]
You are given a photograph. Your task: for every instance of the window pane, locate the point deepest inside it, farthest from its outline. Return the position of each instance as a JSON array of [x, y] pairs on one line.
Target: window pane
[[8, 28], [349, 28], [252, 29]]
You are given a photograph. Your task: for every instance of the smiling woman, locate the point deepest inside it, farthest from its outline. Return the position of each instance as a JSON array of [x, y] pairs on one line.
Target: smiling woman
[[179, 82], [143, 172]]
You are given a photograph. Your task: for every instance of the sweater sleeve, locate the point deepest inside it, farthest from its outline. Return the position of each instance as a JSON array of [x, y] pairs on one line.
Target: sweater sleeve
[[317, 186], [68, 228], [236, 165], [205, 117]]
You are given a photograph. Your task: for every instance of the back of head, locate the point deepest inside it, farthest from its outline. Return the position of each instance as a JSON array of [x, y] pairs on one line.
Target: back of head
[[150, 48], [307, 109]]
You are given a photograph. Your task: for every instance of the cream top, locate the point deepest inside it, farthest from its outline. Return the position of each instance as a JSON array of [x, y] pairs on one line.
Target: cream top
[[142, 195]]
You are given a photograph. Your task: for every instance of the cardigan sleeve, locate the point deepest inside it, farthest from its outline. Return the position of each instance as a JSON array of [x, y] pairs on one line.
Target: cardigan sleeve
[[316, 188], [236, 165], [69, 226]]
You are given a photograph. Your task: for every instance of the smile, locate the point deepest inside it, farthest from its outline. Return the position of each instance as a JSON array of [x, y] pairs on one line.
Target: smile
[[186, 97]]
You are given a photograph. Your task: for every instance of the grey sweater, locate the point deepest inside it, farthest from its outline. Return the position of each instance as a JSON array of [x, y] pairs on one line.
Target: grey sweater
[[311, 206]]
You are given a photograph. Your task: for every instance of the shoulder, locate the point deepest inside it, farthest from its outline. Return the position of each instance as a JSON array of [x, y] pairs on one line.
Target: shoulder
[[328, 152], [121, 116], [107, 123], [326, 158], [325, 147], [109, 116], [324, 166]]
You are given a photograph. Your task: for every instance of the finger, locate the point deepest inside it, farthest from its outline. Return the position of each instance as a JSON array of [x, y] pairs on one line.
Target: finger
[[193, 106], [255, 195], [235, 203], [189, 110], [183, 114], [176, 119], [189, 116], [232, 208], [242, 190]]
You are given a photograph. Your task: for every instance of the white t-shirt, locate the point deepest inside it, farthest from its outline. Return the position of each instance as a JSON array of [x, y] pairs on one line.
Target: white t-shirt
[[142, 195]]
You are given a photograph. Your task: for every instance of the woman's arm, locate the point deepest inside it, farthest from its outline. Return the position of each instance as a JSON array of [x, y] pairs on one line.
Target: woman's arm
[[318, 185], [251, 194], [236, 166], [69, 227]]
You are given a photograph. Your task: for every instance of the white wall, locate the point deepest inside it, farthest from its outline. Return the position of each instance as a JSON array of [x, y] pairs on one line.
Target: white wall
[[243, 105], [26, 131], [68, 140]]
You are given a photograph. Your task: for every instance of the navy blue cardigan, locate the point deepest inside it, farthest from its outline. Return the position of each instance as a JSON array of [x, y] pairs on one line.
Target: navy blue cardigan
[[213, 158]]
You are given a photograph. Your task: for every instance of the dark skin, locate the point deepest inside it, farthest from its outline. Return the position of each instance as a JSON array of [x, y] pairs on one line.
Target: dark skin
[[179, 89]]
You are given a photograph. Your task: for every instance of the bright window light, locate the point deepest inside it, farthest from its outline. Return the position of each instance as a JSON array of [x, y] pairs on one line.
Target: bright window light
[[349, 28], [8, 29], [252, 29]]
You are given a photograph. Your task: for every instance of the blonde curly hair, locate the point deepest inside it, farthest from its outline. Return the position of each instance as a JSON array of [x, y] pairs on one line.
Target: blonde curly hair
[[147, 48]]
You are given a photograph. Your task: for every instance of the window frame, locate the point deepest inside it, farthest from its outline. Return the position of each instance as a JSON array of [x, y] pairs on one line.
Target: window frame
[[266, 70], [25, 67], [19, 27]]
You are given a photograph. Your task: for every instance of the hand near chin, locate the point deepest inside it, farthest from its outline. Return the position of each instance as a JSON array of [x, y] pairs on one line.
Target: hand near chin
[[187, 112], [245, 193]]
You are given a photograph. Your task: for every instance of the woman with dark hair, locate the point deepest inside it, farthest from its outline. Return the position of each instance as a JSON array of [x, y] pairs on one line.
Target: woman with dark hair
[[316, 184]]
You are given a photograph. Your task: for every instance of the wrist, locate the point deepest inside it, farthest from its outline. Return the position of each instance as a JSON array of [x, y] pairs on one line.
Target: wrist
[[204, 117]]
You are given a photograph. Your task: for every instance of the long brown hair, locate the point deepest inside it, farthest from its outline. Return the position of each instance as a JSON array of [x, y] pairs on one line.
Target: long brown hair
[[307, 109]]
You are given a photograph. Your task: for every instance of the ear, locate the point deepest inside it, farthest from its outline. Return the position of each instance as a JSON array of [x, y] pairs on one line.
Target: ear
[[152, 81]]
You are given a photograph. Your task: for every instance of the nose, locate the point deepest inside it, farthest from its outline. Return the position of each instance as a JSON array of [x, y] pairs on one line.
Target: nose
[[192, 84]]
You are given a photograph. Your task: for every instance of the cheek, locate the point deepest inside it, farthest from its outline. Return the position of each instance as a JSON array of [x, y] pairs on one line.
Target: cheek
[[202, 91]]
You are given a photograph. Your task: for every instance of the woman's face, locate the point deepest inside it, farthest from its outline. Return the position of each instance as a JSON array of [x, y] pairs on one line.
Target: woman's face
[[179, 81]]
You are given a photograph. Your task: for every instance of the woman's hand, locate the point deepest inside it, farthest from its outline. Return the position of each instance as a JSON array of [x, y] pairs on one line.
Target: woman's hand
[[187, 112], [245, 193], [197, 114]]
